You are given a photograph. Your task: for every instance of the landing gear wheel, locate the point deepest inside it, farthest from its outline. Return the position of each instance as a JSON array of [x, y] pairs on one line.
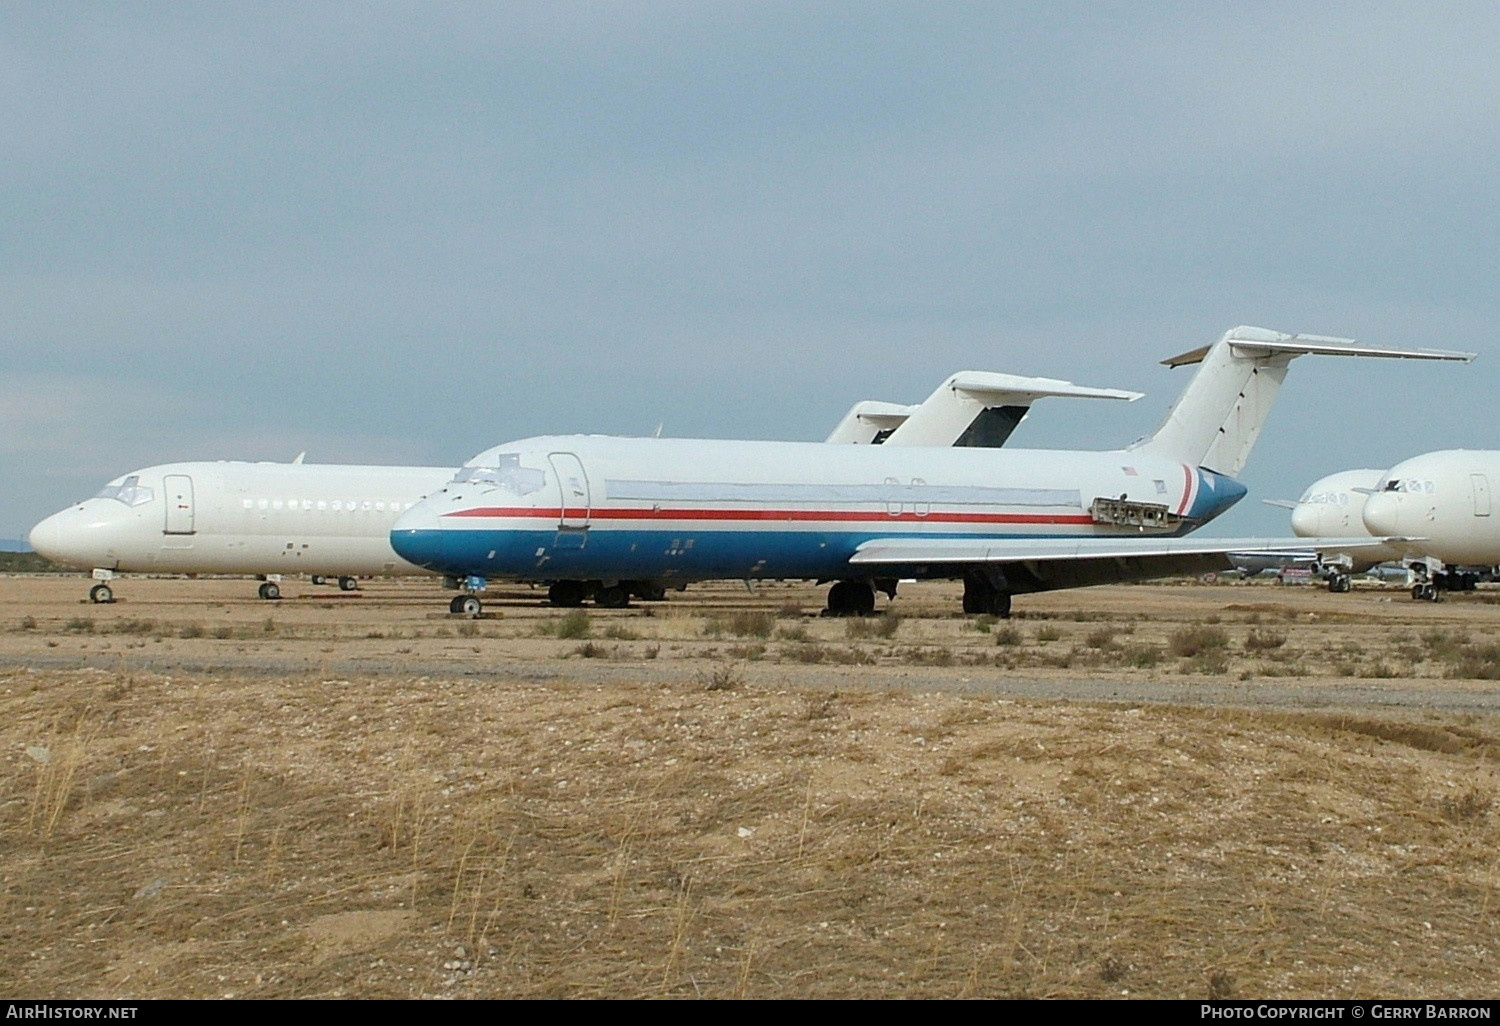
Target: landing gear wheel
[[1339, 584], [651, 592], [983, 598], [613, 597], [1424, 592], [319, 579], [348, 584], [466, 605], [101, 594], [851, 598], [566, 593], [270, 591]]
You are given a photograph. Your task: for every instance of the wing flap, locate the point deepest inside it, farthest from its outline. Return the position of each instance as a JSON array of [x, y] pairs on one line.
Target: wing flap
[[1048, 564], [906, 551]]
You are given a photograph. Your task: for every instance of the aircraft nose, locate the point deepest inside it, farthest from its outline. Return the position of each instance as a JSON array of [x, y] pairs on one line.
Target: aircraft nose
[[79, 536], [1305, 521], [417, 536], [46, 538], [1384, 514]]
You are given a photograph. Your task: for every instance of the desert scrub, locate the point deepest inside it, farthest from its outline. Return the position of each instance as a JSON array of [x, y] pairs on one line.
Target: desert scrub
[[1101, 637], [1194, 641], [1264, 641], [740, 625], [575, 626], [883, 626], [724, 677], [1009, 637]]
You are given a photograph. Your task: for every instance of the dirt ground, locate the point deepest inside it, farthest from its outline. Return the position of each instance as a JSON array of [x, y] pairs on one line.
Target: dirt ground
[[1183, 790]]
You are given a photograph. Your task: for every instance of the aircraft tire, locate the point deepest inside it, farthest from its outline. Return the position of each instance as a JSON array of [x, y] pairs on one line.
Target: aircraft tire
[[270, 591], [348, 584], [101, 594], [567, 594], [651, 591], [851, 598], [318, 579], [615, 596]]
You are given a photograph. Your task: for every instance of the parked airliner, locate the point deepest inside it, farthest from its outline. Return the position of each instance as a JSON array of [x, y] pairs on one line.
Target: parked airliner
[[1445, 502], [614, 517], [268, 519], [1333, 506]]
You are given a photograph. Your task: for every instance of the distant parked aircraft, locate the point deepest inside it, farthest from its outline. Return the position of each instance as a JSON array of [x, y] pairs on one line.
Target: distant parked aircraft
[[268, 519]]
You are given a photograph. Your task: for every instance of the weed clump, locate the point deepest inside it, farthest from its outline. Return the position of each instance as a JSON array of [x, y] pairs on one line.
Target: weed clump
[[1008, 637], [725, 677], [1264, 641], [1190, 642], [740, 625], [574, 626], [882, 626], [1475, 662]]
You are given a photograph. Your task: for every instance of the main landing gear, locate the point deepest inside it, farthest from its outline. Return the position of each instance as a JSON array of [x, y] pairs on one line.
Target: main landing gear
[[985, 593], [851, 598], [101, 594], [615, 595], [1339, 583]]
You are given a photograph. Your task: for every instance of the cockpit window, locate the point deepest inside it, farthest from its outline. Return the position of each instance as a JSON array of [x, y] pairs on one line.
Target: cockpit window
[[509, 475], [129, 491]]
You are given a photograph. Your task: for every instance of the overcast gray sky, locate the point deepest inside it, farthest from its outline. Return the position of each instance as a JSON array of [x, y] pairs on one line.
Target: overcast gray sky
[[402, 233]]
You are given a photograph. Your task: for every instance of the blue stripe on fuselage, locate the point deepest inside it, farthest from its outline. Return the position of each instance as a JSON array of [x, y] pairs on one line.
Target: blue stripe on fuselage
[[647, 555]]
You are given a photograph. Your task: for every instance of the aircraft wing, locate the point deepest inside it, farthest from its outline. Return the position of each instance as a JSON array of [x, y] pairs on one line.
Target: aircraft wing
[[1046, 564]]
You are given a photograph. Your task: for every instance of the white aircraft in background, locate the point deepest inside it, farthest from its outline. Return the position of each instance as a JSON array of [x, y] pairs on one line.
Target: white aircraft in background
[[1444, 500], [1333, 506], [267, 519], [334, 521], [614, 517]]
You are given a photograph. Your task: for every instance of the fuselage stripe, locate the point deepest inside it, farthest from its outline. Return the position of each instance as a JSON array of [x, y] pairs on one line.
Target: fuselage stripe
[[835, 516]]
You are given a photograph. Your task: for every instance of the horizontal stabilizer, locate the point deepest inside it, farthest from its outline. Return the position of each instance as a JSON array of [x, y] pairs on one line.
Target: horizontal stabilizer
[[982, 408], [868, 420], [1218, 417], [1246, 341]]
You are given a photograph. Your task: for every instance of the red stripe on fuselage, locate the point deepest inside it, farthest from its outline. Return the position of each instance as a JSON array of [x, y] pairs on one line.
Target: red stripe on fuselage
[[838, 516], [1187, 490]]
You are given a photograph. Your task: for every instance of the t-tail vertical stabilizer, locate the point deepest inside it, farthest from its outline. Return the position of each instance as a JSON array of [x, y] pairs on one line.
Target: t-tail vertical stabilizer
[[1218, 417]]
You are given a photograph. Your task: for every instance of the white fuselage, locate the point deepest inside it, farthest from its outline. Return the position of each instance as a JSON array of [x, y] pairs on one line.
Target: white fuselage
[[1445, 502], [596, 507], [1333, 507], [241, 518]]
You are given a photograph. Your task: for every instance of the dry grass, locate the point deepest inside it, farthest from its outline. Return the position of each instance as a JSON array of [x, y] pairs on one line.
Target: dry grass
[[504, 839], [725, 822]]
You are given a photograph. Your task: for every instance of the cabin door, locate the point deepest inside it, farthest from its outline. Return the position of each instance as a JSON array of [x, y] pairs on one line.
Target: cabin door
[[573, 499], [179, 496], [1481, 494]]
